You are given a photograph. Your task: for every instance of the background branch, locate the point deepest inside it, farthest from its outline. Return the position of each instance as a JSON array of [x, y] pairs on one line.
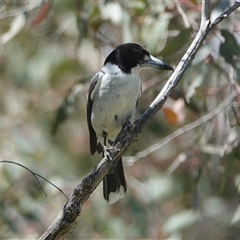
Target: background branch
[[60, 228], [36, 176], [131, 160]]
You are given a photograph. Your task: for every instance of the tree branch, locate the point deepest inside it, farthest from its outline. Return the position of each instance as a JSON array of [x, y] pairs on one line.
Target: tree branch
[[60, 228], [131, 160], [36, 176]]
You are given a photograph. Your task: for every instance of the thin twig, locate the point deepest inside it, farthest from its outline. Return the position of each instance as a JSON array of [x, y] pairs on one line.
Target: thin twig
[[205, 12], [131, 160], [182, 13], [225, 14], [35, 176]]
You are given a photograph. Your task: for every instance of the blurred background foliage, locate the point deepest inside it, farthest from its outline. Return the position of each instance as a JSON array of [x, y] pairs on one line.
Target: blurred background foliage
[[183, 186]]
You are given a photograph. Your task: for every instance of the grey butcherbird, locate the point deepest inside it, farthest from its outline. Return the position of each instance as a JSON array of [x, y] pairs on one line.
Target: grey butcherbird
[[112, 99]]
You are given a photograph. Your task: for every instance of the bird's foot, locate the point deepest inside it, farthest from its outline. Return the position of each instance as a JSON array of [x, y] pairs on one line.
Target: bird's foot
[[107, 152]]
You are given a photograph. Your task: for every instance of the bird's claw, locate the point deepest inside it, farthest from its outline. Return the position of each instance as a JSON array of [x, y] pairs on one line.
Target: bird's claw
[[107, 152]]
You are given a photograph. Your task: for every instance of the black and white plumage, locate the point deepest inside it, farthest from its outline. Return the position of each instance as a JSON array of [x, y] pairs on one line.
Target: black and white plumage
[[112, 99]]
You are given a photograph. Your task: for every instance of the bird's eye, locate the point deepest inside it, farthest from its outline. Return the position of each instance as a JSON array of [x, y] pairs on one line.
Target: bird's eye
[[139, 56]]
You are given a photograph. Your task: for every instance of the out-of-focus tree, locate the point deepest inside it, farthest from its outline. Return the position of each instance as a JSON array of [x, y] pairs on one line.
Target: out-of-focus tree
[[184, 182]]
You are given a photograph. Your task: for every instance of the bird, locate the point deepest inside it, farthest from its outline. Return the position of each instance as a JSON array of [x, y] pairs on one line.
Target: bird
[[113, 95]]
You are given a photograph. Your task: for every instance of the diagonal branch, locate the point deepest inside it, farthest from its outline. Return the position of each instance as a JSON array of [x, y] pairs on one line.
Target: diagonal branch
[[184, 129], [62, 225]]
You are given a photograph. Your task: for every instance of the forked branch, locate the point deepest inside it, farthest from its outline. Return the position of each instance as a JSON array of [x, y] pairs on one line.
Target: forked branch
[[62, 225]]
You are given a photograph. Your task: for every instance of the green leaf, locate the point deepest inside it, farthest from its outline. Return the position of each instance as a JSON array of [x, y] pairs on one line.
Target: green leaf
[[230, 160], [177, 43], [230, 49], [95, 18]]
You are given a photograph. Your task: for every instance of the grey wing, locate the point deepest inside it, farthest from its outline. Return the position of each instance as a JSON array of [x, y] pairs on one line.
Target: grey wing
[[92, 133]]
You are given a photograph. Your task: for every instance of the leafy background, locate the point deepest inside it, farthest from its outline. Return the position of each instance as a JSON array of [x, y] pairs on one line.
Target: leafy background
[[186, 188]]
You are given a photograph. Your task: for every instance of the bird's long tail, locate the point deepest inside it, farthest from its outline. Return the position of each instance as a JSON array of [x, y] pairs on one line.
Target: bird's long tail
[[114, 184]]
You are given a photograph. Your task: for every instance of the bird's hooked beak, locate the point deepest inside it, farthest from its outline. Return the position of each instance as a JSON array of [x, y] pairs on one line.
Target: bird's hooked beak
[[153, 62]]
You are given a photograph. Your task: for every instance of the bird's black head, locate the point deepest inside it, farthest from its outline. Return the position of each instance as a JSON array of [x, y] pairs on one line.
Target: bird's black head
[[129, 55]]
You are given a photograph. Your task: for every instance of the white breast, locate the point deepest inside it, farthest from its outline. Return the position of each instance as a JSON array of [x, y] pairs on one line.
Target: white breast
[[114, 102]]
